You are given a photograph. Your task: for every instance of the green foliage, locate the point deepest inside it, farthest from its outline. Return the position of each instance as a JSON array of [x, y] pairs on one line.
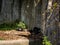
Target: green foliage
[[7, 26], [55, 5], [2, 39], [46, 41], [21, 25]]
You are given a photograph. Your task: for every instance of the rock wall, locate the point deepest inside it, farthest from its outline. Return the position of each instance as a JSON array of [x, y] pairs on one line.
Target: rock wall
[[9, 11], [31, 13], [52, 25], [28, 11]]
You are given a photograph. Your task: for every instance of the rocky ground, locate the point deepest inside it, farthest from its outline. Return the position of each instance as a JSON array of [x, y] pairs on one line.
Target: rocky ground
[[13, 35]]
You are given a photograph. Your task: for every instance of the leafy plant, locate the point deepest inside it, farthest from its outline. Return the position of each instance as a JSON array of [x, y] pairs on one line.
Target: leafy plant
[[46, 41], [55, 5], [21, 25]]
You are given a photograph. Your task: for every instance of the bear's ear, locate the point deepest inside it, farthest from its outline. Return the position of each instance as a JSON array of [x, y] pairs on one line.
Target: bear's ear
[[35, 28]]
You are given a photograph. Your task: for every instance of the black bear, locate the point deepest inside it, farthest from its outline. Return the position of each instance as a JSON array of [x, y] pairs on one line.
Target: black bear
[[35, 30]]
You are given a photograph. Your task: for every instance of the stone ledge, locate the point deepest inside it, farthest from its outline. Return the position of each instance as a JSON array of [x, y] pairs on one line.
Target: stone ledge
[[20, 42]]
